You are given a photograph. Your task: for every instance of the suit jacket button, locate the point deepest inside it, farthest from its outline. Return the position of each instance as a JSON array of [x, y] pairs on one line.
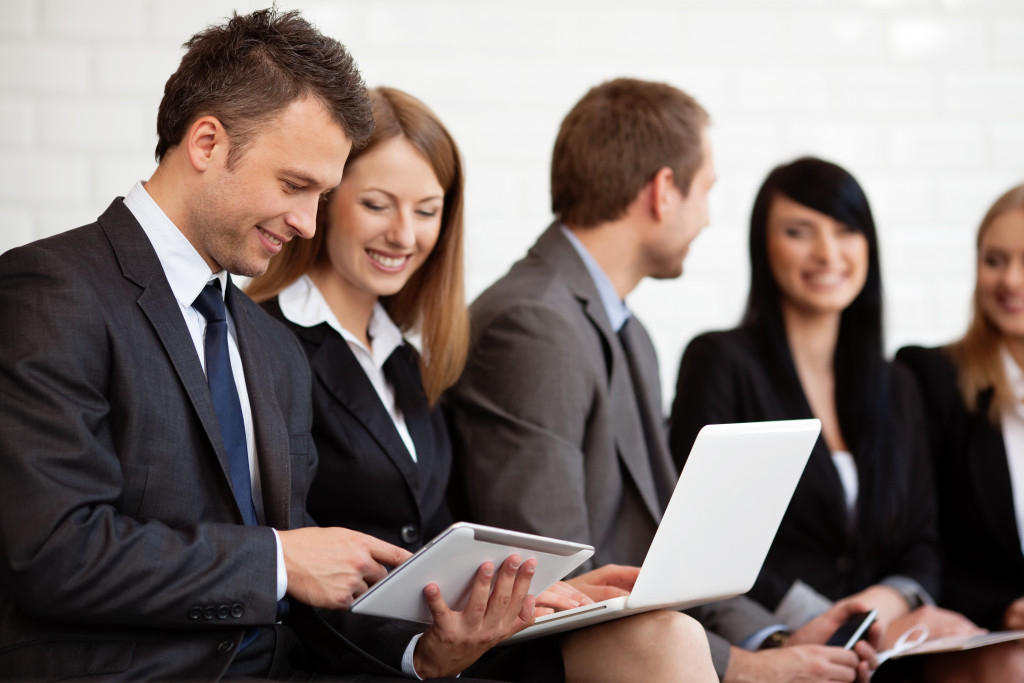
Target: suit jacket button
[[209, 613], [225, 647], [410, 534], [237, 610], [223, 611], [195, 613]]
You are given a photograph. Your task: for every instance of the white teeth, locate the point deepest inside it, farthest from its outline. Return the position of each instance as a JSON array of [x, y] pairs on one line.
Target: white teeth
[[826, 280], [387, 261], [270, 237]]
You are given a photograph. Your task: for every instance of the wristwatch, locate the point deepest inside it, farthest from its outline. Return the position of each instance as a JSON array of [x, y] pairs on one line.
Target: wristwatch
[[776, 639]]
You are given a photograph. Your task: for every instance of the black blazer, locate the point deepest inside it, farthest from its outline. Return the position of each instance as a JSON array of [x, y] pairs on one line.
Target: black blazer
[[122, 550], [366, 479], [982, 559], [732, 377]]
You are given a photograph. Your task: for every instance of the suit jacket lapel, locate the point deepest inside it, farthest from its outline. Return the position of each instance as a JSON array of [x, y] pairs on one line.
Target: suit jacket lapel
[[556, 250], [271, 432], [990, 477], [820, 479], [139, 263], [336, 366]]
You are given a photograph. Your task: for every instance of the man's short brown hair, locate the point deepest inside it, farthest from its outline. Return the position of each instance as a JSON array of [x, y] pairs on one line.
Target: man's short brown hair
[[248, 70], [615, 140]]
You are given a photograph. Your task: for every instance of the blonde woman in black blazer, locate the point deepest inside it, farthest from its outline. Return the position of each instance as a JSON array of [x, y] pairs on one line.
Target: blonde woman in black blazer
[[387, 260], [973, 407], [862, 519]]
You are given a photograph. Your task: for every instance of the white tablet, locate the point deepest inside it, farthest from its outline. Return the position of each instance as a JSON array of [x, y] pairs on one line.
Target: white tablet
[[451, 561]]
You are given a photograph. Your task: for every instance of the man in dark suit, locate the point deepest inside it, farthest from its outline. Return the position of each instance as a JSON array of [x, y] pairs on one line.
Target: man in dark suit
[[557, 421], [155, 451]]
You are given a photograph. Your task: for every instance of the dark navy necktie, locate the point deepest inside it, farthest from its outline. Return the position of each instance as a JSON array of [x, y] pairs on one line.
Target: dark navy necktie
[[224, 393], [228, 408]]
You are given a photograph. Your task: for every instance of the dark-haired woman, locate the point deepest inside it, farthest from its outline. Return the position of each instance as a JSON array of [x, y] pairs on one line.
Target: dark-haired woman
[[973, 393], [387, 260], [810, 345]]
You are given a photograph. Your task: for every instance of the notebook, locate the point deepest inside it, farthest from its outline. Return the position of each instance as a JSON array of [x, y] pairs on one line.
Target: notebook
[[718, 526]]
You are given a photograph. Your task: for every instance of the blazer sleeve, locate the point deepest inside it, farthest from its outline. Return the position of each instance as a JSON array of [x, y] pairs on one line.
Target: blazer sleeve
[[69, 552], [519, 417], [707, 392], [920, 558]]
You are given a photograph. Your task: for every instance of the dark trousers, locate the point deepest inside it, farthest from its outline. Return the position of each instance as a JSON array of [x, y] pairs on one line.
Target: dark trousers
[[277, 655]]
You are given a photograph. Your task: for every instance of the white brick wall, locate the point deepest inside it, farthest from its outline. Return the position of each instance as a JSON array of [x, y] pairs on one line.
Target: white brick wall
[[923, 100]]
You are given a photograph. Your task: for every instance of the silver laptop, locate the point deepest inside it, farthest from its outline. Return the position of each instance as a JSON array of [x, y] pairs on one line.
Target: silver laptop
[[719, 524]]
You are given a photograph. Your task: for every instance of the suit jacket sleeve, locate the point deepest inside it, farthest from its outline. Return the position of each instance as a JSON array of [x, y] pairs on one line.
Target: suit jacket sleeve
[[519, 415], [70, 553], [919, 557]]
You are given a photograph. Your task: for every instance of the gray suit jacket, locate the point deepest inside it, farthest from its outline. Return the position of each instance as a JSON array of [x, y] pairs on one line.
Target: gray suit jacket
[[547, 435], [123, 551]]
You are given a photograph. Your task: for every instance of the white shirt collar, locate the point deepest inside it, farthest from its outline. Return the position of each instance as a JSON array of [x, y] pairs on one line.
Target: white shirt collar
[[186, 271], [303, 304]]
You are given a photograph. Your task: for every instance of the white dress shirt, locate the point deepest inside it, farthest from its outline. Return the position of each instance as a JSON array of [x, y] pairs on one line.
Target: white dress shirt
[[846, 467], [1012, 422], [187, 274]]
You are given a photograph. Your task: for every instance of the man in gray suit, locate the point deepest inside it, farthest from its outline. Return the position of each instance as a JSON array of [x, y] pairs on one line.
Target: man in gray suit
[[155, 448], [557, 419]]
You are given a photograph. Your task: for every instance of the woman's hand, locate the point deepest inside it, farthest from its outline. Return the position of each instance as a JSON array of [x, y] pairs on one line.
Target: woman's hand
[[940, 622], [604, 583], [561, 596], [1013, 617], [457, 639], [888, 601]]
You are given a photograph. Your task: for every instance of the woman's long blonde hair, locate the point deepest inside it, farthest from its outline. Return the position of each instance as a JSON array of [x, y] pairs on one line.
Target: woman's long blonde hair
[[432, 302], [977, 353]]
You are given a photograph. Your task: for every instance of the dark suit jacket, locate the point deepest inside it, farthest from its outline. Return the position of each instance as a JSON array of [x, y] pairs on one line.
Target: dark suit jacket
[[123, 552], [983, 567], [734, 377], [547, 434]]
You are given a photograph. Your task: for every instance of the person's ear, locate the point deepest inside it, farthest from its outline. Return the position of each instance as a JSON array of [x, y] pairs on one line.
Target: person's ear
[[205, 142], [661, 187]]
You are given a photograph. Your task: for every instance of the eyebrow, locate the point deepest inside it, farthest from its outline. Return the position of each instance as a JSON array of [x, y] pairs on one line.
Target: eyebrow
[[432, 197], [305, 178]]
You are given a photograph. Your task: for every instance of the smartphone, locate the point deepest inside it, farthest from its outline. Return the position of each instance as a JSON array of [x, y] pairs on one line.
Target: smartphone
[[855, 628]]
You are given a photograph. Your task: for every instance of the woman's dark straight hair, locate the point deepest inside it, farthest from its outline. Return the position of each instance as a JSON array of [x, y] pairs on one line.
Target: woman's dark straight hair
[[862, 382]]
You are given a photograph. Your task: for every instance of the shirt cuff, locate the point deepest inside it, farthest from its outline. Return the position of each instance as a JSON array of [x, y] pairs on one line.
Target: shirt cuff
[[282, 572], [408, 667], [911, 590], [800, 604], [753, 642]]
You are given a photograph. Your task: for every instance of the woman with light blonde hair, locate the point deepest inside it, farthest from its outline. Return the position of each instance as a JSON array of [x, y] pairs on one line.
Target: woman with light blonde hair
[[973, 394]]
